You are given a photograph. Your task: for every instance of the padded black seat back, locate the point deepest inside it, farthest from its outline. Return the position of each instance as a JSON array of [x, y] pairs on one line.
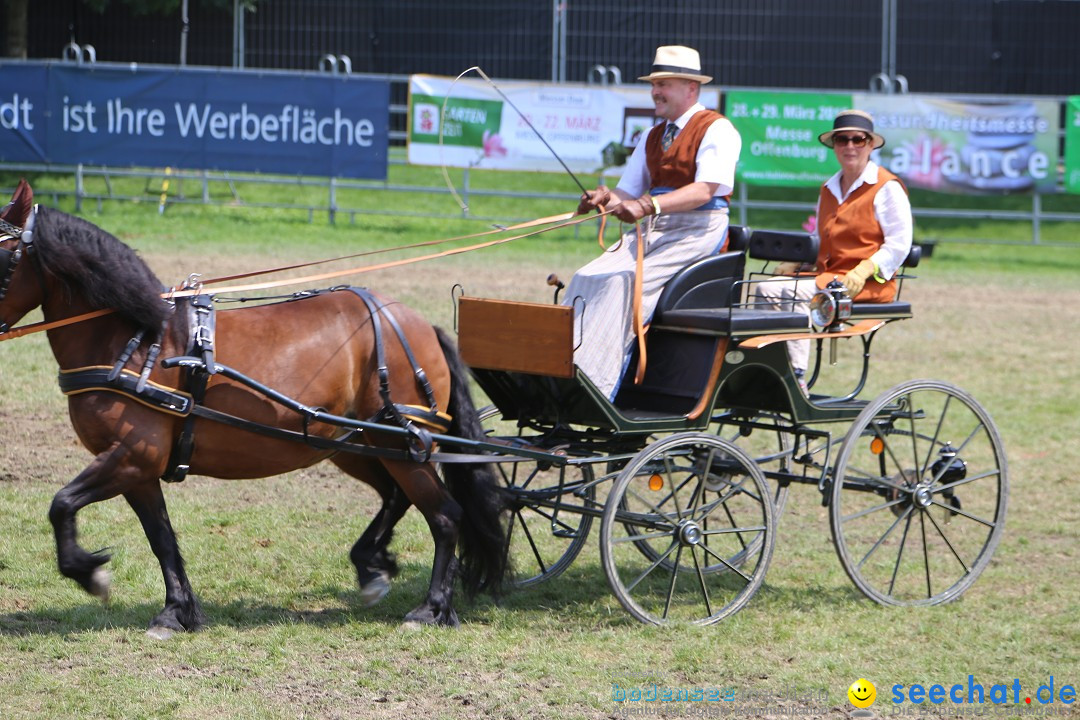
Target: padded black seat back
[[913, 257], [702, 285], [784, 246], [707, 282], [738, 237]]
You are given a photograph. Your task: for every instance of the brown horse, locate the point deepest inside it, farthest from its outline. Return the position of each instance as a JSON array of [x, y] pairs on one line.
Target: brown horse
[[319, 350]]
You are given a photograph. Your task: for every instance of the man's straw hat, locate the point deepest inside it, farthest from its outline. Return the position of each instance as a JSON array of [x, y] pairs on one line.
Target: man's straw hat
[[676, 61]]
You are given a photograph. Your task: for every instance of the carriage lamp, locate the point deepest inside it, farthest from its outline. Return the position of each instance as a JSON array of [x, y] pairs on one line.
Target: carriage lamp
[[831, 306], [949, 468]]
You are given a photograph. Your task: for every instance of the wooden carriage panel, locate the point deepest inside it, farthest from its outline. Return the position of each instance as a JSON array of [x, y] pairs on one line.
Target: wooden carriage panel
[[517, 337]]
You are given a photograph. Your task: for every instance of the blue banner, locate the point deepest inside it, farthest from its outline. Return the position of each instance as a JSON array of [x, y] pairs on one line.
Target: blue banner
[[22, 113], [325, 125]]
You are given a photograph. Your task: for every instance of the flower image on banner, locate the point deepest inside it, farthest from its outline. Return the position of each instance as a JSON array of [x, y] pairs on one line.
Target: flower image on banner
[[967, 146], [589, 127]]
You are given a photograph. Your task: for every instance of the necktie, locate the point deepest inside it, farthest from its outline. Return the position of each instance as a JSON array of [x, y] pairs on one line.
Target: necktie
[[669, 136]]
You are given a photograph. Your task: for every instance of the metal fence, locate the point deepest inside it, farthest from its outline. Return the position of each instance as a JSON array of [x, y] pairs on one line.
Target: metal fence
[[958, 46], [328, 203]]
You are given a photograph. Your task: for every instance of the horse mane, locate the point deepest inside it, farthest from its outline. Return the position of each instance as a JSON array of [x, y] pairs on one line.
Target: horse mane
[[108, 273]]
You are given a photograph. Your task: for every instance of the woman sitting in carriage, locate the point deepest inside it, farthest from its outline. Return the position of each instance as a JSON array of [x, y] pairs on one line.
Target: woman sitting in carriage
[[865, 225]]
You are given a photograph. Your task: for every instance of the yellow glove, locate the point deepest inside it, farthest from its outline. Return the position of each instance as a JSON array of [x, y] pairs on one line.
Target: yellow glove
[[787, 268], [856, 279]]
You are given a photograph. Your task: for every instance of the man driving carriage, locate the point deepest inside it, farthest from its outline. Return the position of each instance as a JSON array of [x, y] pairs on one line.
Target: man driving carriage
[[676, 181], [865, 226]]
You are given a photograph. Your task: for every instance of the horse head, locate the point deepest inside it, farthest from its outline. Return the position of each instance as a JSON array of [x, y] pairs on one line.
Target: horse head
[[16, 241], [18, 210], [70, 266]]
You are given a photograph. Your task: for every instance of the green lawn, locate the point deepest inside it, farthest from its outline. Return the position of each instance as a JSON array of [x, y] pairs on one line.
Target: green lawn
[[269, 558]]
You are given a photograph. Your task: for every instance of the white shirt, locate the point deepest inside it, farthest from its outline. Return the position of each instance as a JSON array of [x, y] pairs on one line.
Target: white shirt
[[892, 210], [716, 157]]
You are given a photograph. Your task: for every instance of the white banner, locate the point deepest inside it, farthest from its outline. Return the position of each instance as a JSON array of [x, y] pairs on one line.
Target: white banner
[[589, 127]]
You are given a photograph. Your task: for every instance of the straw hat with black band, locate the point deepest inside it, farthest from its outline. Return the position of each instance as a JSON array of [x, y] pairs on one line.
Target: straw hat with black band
[[676, 61], [853, 120]]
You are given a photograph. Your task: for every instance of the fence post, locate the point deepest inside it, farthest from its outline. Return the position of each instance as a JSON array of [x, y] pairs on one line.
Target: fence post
[[465, 193], [333, 198], [743, 198], [238, 34], [1036, 212], [78, 187]]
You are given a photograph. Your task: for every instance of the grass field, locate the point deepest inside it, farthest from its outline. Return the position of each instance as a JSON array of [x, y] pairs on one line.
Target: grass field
[[269, 558]]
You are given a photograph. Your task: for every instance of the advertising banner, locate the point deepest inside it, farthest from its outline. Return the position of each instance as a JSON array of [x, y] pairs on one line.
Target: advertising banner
[[589, 128], [780, 136], [290, 123], [22, 114], [1072, 145], [965, 146]]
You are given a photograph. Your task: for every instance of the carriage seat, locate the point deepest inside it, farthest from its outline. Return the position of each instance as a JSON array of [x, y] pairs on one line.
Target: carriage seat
[[707, 308], [706, 283]]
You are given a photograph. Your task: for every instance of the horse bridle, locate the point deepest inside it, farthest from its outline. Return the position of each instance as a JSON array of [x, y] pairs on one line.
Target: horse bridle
[[9, 259]]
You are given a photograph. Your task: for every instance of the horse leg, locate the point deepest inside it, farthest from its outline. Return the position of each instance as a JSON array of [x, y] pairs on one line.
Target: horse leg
[[182, 610], [423, 488], [102, 479], [375, 564]]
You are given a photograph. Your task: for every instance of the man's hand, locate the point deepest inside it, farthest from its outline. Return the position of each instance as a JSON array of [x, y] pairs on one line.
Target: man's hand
[[633, 210], [856, 279], [597, 198]]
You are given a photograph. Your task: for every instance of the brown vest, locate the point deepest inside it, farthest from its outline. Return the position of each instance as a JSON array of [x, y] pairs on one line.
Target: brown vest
[[850, 233], [678, 166]]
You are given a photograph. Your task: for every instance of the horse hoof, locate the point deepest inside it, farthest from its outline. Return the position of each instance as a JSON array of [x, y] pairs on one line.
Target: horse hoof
[[159, 632], [375, 591], [100, 582]]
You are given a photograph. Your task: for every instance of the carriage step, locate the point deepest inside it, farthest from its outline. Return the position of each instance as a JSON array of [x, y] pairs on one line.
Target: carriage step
[[907, 415]]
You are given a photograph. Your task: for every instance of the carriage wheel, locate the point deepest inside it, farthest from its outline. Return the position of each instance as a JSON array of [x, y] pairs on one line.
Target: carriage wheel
[[921, 505], [541, 540], [702, 507]]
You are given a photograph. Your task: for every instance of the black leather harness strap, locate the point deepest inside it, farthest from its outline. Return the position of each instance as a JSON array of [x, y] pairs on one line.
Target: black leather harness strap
[[96, 378], [202, 324], [420, 442], [198, 365]]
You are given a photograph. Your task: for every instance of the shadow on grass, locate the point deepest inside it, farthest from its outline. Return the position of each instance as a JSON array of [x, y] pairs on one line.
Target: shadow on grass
[[575, 593], [807, 597]]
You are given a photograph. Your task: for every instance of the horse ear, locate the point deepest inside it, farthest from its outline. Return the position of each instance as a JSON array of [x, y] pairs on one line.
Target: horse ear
[[21, 203]]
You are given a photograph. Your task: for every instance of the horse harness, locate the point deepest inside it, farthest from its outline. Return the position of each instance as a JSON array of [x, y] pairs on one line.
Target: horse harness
[[198, 365], [9, 259]]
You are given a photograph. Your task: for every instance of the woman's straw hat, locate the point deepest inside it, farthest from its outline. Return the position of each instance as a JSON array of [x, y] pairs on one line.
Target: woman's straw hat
[[856, 120]]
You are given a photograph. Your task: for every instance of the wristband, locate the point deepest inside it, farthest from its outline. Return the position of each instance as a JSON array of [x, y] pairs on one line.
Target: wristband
[[655, 204]]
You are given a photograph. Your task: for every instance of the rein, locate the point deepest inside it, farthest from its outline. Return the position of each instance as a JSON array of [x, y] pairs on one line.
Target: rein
[[426, 243], [563, 220]]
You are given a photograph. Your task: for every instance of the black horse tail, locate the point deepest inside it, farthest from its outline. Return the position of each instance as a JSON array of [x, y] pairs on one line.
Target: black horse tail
[[482, 535]]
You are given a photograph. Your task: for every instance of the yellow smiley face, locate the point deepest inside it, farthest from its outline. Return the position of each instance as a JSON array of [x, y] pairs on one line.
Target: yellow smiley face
[[862, 693]]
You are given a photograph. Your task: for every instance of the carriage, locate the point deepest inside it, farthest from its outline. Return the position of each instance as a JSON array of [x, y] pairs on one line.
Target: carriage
[[687, 471]]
